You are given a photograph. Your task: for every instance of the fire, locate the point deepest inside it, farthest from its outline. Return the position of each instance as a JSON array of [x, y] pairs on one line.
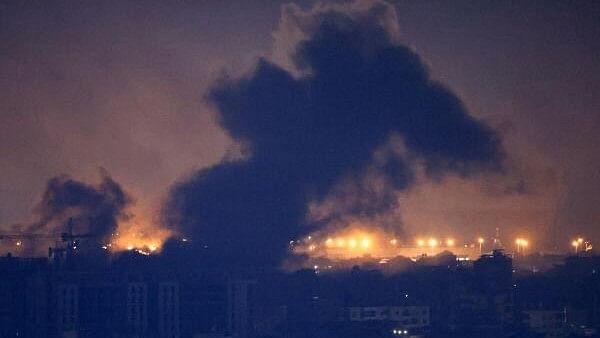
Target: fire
[[142, 237]]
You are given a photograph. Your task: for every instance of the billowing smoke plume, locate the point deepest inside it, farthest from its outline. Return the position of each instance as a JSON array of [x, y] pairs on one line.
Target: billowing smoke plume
[[95, 210], [355, 89]]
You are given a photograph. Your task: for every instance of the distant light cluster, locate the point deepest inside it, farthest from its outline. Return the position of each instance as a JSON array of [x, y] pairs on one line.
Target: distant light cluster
[[354, 243]]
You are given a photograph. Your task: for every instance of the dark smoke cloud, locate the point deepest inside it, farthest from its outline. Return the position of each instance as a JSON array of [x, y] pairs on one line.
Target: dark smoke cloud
[[94, 209], [305, 133]]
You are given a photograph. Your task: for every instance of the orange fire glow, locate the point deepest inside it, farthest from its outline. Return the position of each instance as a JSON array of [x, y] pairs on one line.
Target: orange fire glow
[[142, 237]]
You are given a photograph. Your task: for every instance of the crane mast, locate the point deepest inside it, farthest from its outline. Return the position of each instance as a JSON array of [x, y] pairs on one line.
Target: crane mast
[[68, 238]]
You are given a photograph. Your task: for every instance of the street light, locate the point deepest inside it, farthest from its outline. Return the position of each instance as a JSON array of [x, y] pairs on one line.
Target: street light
[[480, 240], [524, 244], [521, 245], [575, 244]]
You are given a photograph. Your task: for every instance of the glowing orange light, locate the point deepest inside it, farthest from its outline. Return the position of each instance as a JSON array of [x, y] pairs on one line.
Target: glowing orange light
[[138, 233], [450, 242], [521, 243], [432, 242], [329, 242]]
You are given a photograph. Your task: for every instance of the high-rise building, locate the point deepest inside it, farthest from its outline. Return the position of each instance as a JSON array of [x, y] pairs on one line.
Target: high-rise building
[[137, 306], [168, 310]]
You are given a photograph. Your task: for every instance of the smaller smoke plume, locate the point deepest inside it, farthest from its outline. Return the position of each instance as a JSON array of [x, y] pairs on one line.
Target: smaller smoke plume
[[95, 210]]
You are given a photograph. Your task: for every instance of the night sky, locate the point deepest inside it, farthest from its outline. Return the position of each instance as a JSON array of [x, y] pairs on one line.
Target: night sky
[[195, 107]]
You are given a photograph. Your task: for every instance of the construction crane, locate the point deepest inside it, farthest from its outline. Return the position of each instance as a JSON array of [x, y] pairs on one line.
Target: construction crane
[[19, 237], [70, 238], [67, 237]]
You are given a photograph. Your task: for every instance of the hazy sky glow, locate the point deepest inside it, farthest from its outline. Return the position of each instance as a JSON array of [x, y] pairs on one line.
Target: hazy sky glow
[[122, 86]]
